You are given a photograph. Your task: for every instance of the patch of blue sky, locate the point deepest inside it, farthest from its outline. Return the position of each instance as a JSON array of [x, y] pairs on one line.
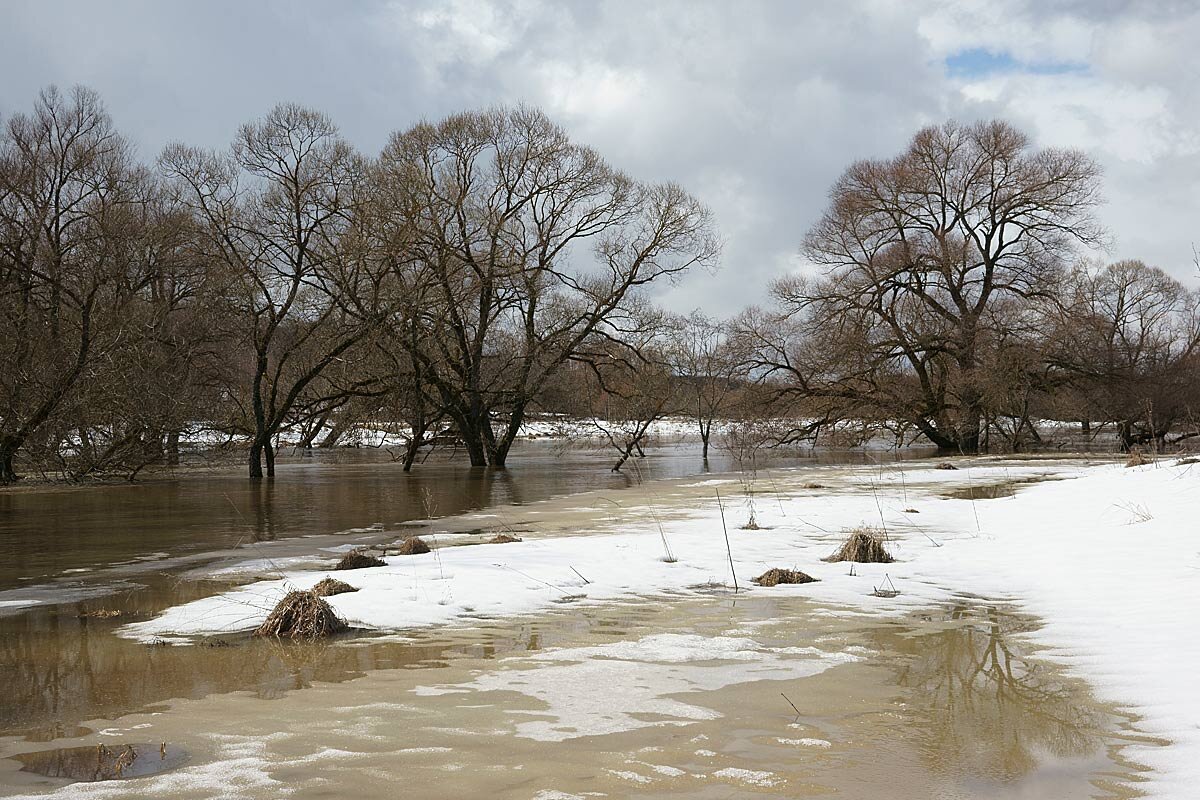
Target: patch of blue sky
[[977, 62]]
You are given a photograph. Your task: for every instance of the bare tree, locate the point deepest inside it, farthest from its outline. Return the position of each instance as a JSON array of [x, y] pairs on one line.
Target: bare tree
[[706, 368], [70, 195], [917, 249], [1128, 339], [532, 246], [277, 213]]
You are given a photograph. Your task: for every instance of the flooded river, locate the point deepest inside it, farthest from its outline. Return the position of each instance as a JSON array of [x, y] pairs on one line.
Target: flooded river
[[703, 695]]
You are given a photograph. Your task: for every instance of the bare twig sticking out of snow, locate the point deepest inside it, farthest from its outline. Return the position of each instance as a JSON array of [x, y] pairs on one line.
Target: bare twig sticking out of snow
[[728, 549]]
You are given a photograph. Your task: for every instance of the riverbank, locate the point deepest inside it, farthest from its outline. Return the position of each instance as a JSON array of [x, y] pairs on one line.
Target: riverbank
[[1103, 554]]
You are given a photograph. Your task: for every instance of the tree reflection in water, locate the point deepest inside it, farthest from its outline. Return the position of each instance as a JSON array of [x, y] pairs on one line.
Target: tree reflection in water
[[993, 711]]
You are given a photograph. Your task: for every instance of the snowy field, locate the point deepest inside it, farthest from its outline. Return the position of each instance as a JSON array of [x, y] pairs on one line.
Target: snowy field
[[1107, 557]]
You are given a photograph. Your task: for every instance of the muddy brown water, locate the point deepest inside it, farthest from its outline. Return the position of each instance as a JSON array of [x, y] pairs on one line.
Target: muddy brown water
[[67, 553], [951, 704], [577, 703]]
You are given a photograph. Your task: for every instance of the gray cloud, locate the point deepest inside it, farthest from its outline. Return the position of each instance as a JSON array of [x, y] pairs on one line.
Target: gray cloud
[[756, 107]]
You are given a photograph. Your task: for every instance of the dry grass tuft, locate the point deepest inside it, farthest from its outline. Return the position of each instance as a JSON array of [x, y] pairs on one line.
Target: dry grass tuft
[[301, 615], [911, 511], [1137, 458], [357, 559], [945, 465], [863, 545], [100, 613], [331, 586], [776, 576], [412, 546], [812, 486], [504, 538]]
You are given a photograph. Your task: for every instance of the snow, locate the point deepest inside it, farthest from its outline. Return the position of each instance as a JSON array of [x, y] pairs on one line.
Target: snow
[[806, 742], [1106, 557], [749, 776], [652, 672]]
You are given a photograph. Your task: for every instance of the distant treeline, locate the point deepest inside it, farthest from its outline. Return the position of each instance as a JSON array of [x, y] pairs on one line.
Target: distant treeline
[[486, 267]]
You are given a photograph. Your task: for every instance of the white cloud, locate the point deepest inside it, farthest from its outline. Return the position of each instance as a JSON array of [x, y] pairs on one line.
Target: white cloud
[[754, 106]]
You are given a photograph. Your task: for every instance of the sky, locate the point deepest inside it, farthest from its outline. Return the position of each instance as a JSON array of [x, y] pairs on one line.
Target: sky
[[754, 107]]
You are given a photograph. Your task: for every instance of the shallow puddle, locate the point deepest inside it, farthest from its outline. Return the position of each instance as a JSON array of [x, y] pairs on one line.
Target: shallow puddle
[[681, 697], [103, 762]]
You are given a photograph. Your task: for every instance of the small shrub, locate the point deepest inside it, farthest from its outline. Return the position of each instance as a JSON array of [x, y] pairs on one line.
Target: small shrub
[[331, 586], [357, 559], [301, 615], [1137, 458], [776, 576], [863, 545], [412, 546]]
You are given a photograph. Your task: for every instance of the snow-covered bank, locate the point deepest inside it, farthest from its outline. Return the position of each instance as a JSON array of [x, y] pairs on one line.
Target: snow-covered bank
[[1108, 559]]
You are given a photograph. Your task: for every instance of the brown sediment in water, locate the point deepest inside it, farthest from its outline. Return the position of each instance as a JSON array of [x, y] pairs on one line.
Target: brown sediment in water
[[880, 726]]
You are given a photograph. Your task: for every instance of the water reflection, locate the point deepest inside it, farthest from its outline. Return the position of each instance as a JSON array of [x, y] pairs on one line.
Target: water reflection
[[993, 712], [103, 763], [44, 534]]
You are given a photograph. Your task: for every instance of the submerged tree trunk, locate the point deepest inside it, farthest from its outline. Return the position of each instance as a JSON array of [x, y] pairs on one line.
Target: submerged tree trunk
[[173, 448], [8, 450], [256, 470], [269, 452]]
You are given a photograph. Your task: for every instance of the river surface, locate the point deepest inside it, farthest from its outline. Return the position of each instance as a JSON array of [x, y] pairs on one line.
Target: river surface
[[698, 696]]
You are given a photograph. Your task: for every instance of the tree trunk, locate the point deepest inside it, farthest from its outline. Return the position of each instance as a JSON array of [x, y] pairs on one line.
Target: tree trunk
[[419, 430], [498, 452], [256, 470], [256, 458], [269, 452], [173, 449], [8, 450], [340, 426]]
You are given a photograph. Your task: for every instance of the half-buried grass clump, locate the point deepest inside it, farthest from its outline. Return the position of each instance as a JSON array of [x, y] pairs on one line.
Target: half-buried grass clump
[[301, 615], [863, 545], [504, 538], [412, 546], [357, 559], [776, 576], [331, 586]]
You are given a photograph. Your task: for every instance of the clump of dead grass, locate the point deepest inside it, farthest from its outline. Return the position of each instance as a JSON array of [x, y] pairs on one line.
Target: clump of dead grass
[[1137, 458], [863, 545], [945, 465], [301, 615], [331, 586], [101, 613], [776, 576], [504, 538], [412, 546], [358, 559]]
